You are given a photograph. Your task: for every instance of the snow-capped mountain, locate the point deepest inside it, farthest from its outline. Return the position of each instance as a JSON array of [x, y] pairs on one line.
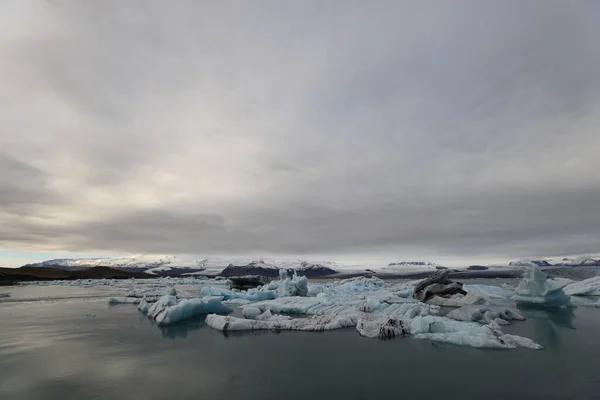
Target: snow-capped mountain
[[180, 265], [411, 266], [235, 266], [583, 261]]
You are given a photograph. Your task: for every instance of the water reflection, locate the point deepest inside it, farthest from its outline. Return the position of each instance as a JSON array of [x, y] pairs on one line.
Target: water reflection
[[547, 323], [181, 330]]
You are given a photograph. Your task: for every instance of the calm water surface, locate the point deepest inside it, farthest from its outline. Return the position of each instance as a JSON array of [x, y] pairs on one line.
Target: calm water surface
[[77, 347]]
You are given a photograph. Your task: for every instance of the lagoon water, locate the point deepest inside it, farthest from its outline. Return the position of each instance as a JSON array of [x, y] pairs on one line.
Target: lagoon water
[[67, 343]]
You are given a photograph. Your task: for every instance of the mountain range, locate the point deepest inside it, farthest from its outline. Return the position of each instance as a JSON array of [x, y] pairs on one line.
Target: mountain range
[[213, 266]]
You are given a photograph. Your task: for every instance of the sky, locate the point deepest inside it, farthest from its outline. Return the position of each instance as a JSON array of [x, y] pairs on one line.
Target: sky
[[448, 131]]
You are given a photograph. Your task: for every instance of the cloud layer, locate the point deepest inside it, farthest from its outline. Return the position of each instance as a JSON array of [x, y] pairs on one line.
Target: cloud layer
[[450, 130]]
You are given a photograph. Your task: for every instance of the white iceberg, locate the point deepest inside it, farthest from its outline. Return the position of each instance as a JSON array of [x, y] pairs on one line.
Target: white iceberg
[[124, 300], [250, 295], [251, 312], [168, 311], [536, 290], [485, 314], [587, 287], [489, 291], [294, 286], [457, 300], [314, 323]]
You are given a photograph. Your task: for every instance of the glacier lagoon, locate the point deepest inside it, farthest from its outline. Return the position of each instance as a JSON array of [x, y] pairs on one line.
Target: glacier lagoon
[[59, 342]]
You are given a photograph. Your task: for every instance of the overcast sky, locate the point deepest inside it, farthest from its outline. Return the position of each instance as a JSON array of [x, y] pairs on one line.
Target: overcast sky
[[443, 130]]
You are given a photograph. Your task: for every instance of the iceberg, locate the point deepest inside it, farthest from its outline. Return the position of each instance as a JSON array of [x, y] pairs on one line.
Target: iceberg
[[485, 315], [251, 312], [489, 291], [168, 311], [124, 300], [250, 295], [538, 291], [314, 323], [439, 290], [587, 287], [294, 286]]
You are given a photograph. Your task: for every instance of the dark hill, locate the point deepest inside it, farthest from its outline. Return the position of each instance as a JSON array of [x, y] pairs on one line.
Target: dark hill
[[49, 274]]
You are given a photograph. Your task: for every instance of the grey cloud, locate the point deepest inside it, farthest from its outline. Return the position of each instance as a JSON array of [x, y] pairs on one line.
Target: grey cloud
[[463, 129]]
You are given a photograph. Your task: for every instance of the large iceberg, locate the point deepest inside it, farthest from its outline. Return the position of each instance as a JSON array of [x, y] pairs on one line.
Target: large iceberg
[[314, 323], [167, 310], [485, 314], [535, 289], [587, 287], [250, 295], [439, 290]]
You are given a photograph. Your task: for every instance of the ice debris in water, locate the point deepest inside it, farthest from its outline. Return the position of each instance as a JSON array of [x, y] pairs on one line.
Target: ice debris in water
[[376, 311], [535, 289], [375, 308]]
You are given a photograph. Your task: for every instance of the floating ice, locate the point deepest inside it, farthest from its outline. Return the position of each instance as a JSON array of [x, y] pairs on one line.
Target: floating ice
[[457, 300], [124, 300], [167, 310], [489, 291], [587, 287], [250, 295], [314, 323], [485, 315], [536, 290], [251, 312], [438, 289], [294, 286]]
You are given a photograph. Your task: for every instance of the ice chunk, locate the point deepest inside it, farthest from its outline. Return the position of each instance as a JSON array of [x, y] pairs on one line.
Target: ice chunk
[[144, 306], [314, 323], [485, 315], [387, 328], [466, 333], [251, 312], [443, 330], [167, 310], [587, 287], [124, 300], [489, 291], [457, 300], [536, 290], [295, 286], [250, 295]]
